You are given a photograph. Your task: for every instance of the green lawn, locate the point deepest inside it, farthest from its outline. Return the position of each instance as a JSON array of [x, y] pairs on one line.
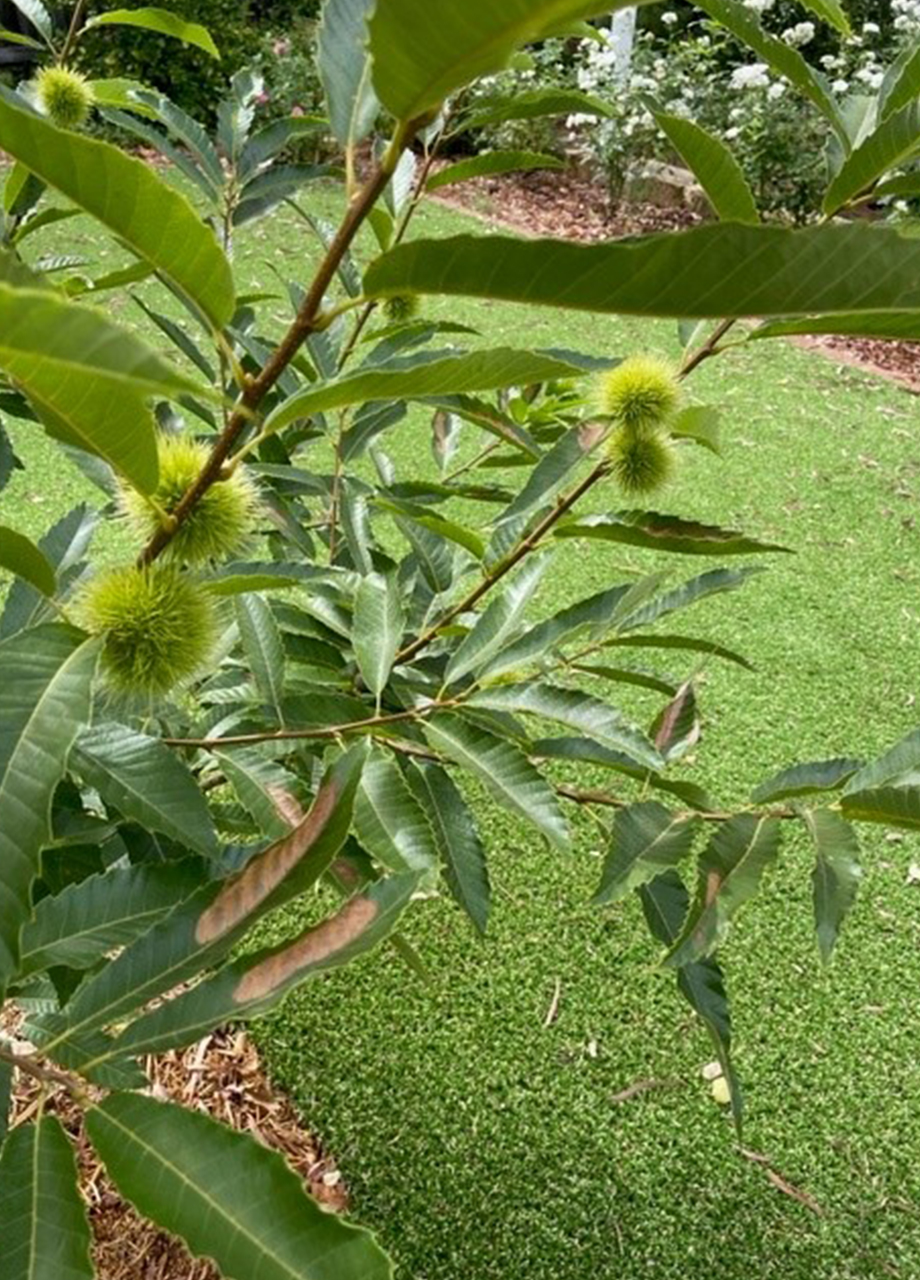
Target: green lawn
[[480, 1143]]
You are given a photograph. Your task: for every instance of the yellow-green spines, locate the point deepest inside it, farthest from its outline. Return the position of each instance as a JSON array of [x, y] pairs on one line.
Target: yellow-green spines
[[402, 308], [642, 393], [159, 627], [642, 461], [220, 523], [65, 96]]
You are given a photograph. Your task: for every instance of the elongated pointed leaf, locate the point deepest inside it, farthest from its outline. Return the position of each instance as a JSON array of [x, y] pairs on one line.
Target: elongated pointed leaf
[[491, 162], [782, 57], [903, 326], [344, 63], [261, 786], [63, 546], [422, 54], [715, 168], [665, 902], [707, 584], [689, 643], [893, 142], [163, 22], [255, 983], [21, 557], [378, 628], [805, 780], [506, 772], [226, 1195], [437, 376], [710, 271], [151, 217], [579, 711], [145, 781], [535, 103], [389, 822], [700, 423], [87, 377], [6, 1096], [87, 920], [730, 870], [901, 84], [586, 751], [831, 12], [891, 806], [45, 685], [263, 648], [836, 876], [662, 533], [43, 1222], [548, 477], [677, 726], [37, 14], [204, 929], [587, 620], [457, 839], [646, 839], [500, 620], [902, 759]]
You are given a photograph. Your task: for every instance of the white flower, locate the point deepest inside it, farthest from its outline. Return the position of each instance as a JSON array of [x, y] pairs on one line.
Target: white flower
[[733, 132], [840, 86], [669, 18], [776, 90], [871, 28], [901, 206], [800, 34], [759, 6], [752, 76], [872, 76]]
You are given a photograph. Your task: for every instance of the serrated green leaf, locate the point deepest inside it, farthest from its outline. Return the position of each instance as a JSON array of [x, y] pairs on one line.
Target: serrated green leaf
[[21, 557], [663, 533], [491, 162], [891, 806], [584, 751], [901, 325], [730, 870], [226, 1195], [145, 781], [893, 142], [505, 770], [715, 168], [263, 649], [163, 21], [902, 759], [835, 879], [901, 84], [689, 643], [43, 1222], [724, 270], [378, 628], [646, 839], [699, 588], [421, 55], [151, 217], [37, 14], [579, 711], [344, 63], [87, 920], [497, 623], [389, 822], [805, 779], [665, 901], [436, 376], [454, 827], [46, 679], [677, 726], [256, 982], [831, 12], [700, 423], [260, 785], [205, 928]]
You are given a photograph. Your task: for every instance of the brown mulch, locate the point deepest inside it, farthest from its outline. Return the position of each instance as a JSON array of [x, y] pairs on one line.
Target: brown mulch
[[550, 203], [222, 1076]]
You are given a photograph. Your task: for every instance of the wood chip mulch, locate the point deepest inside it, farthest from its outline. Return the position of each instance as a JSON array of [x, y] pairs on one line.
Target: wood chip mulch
[[222, 1076], [547, 203]]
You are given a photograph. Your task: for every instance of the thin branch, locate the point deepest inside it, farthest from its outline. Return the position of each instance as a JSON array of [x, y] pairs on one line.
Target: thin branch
[[38, 1071], [524, 547], [327, 731], [73, 30], [308, 319], [709, 348]]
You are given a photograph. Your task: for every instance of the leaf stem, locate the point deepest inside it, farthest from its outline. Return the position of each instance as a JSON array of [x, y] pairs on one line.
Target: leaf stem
[[327, 731]]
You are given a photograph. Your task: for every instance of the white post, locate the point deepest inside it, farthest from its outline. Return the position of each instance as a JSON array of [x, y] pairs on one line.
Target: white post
[[622, 36]]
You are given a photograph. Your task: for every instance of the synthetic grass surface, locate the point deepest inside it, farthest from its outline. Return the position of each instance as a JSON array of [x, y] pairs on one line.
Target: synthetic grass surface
[[480, 1143]]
